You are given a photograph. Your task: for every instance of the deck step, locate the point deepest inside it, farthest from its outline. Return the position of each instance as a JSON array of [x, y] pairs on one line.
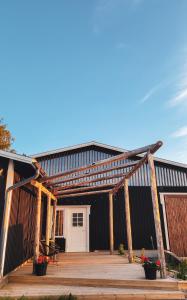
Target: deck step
[[37, 291], [89, 282]]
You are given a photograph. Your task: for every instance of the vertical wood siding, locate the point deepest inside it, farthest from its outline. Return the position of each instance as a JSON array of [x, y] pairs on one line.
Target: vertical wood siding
[[176, 213], [21, 228]]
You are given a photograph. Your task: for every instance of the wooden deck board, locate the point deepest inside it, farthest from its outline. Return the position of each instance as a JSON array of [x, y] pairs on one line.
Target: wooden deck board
[[93, 274], [17, 290]]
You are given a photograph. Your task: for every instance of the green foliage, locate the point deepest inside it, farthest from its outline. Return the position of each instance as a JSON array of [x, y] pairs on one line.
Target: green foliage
[[6, 138], [121, 249], [182, 270], [69, 297]]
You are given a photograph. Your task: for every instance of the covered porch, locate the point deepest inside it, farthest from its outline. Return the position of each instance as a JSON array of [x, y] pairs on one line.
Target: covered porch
[[102, 177]]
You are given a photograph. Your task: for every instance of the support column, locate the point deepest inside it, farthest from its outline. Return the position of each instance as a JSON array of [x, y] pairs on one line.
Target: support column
[[47, 234], [6, 215], [156, 213], [111, 223], [54, 221], [128, 221], [37, 225]]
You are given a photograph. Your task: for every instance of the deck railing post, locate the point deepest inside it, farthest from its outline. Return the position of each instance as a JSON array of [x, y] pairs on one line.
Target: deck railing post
[[128, 220], [156, 213], [111, 223], [47, 234], [37, 224]]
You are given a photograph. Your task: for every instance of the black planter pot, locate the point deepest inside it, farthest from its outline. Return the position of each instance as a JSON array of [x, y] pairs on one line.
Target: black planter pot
[[150, 273], [40, 269]]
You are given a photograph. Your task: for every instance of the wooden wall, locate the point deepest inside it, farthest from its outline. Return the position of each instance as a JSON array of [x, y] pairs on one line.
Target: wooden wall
[[21, 228], [176, 213]]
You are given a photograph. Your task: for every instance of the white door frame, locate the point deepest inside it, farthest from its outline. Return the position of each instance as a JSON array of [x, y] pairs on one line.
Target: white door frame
[[162, 201], [65, 224]]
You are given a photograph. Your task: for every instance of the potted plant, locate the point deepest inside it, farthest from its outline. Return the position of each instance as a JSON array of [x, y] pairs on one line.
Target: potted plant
[[40, 266], [150, 267]]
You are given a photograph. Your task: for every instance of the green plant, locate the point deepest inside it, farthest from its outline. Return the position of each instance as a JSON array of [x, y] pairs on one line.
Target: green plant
[[67, 297], [121, 249], [182, 270]]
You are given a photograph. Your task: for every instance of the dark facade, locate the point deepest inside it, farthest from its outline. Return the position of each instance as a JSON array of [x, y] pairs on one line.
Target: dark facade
[[20, 237], [170, 178]]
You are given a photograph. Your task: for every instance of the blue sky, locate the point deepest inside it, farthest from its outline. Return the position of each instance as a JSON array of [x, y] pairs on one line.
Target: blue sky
[[114, 71]]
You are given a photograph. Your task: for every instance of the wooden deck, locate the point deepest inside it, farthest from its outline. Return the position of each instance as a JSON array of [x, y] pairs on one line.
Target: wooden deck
[[90, 275]]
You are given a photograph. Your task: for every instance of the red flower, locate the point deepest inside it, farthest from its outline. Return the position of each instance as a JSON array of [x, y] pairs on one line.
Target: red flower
[[142, 258], [42, 259], [146, 259], [158, 263]]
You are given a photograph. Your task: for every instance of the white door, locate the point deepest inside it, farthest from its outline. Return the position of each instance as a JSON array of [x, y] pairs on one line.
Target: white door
[[77, 237]]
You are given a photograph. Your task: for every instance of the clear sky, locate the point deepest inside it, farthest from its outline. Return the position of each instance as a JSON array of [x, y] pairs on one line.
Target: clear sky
[[114, 71]]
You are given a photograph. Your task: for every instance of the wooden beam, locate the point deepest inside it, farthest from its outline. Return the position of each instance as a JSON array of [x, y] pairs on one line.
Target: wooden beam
[[83, 183], [37, 224], [47, 234], [111, 223], [129, 174], [85, 175], [82, 189], [43, 189], [83, 194], [152, 148], [128, 221], [54, 221], [156, 213]]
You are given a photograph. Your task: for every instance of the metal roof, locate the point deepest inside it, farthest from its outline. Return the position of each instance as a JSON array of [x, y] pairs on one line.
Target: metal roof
[[78, 146], [17, 157], [105, 146]]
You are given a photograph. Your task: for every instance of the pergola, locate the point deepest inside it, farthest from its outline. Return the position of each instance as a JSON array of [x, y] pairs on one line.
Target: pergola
[[107, 176]]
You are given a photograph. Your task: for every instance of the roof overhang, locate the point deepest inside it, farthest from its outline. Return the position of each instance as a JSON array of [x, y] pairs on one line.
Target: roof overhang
[[17, 157], [105, 146]]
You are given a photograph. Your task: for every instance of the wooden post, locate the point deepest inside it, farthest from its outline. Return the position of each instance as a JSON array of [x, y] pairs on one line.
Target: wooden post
[[37, 225], [6, 215], [111, 223], [156, 213], [47, 234], [128, 221], [54, 221]]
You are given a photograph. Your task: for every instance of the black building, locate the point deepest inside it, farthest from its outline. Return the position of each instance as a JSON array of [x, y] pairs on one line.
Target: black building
[[83, 221]]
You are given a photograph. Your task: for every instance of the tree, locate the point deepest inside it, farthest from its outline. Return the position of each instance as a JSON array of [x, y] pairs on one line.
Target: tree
[[6, 138]]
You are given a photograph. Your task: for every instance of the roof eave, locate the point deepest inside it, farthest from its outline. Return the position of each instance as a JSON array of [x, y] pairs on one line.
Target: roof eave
[[94, 143]]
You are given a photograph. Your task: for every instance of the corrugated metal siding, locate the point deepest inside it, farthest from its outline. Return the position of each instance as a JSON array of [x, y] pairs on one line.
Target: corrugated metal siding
[[166, 175]]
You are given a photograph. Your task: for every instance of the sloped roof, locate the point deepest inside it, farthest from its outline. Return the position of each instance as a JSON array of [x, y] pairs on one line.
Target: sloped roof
[[17, 157], [78, 146], [105, 146]]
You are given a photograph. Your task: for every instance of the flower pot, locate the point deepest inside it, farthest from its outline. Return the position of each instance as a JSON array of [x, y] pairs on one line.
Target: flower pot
[[40, 269], [150, 273]]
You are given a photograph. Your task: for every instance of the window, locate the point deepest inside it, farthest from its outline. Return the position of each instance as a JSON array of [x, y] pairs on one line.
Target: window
[[59, 223], [77, 219]]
